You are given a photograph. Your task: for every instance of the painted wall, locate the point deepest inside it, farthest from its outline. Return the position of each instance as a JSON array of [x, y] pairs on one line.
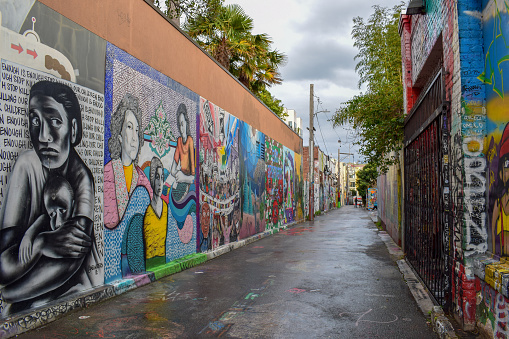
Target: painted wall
[[219, 180], [470, 37], [492, 311], [114, 174], [371, 199], [388, 205]]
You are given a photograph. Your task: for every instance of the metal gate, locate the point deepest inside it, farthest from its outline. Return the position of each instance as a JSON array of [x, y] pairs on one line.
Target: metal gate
[[426, 187]]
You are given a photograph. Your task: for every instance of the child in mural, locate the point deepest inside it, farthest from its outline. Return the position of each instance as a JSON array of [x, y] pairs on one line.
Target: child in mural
[[122, 174], [58, 198], [60, 259], [500, 214], [184, 156], [155, 222]]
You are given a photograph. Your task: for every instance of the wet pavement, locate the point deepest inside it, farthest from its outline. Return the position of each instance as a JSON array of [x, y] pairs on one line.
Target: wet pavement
[[331, 278]]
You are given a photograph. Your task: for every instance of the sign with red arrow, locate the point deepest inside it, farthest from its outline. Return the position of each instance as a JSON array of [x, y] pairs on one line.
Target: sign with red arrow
[[32, 53], [17, 48]]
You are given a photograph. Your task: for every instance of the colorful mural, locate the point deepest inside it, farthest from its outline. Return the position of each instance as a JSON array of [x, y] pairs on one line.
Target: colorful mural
[[496, 35], [289, 201], [372, 199], [51, 160], [299, 186], [219, 179], [112, 173], [274, 185], [150, 193], [252, 181]]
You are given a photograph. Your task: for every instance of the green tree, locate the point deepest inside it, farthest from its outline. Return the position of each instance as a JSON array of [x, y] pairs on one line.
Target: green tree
[[377, 115], [366, 178], [227, 36], [273, 103], [189, 9]]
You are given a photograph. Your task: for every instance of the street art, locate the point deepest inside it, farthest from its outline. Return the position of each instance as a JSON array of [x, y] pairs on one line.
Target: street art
[[493, 310], [113, 173], [274, 185], [299, 186], [252, 180], [50, 166], [219, 179], [371, 199], [289, 185], [150, 212], [497, 125]]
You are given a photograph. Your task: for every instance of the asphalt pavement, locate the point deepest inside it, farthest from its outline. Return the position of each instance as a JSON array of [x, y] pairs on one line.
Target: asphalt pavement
[[330, 278]]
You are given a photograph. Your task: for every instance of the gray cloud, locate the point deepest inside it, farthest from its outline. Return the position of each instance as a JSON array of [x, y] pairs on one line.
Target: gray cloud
[[320, 59]]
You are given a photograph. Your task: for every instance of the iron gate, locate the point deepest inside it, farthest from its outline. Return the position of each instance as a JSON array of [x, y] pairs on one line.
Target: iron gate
[[426, 187]]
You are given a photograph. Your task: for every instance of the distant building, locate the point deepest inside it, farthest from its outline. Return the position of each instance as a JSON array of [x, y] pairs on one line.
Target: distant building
[[293, 121]]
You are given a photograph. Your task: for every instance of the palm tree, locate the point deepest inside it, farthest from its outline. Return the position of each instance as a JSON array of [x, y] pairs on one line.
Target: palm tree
[[227, 37]]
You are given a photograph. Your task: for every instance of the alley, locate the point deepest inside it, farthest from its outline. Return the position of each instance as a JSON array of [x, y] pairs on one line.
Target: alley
[[331, 278]]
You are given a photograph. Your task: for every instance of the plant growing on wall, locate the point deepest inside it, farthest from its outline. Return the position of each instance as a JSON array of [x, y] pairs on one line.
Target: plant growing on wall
[[188, 9], [377, 114]]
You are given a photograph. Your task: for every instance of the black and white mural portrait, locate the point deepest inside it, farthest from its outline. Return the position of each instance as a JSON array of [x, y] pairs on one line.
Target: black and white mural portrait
[[46, 222]]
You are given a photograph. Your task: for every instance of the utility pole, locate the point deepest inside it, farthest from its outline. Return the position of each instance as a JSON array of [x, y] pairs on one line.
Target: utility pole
[[311, 159]]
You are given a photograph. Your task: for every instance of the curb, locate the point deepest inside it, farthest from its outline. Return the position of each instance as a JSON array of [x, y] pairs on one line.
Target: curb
[[441, 324]]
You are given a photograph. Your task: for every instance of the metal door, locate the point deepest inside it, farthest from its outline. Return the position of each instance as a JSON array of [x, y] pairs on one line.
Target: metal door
[[426, 187]]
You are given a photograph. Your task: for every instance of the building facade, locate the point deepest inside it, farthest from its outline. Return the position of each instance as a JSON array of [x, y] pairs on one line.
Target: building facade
[[456, 147]]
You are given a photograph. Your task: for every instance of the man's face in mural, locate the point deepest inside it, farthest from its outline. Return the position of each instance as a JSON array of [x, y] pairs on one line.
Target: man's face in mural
[[129, 138], [50, 130], [182, 126], [205, 220], [158, 182]]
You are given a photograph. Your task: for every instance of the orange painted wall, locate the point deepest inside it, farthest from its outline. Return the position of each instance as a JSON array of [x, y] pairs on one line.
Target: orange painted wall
[[142, 31]]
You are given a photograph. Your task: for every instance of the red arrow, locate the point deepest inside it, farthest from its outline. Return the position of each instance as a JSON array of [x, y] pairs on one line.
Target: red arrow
[[17, 47], [32, 53]]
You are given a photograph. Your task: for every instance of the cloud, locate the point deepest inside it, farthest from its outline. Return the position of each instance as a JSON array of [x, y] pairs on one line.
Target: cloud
[[324, 59]]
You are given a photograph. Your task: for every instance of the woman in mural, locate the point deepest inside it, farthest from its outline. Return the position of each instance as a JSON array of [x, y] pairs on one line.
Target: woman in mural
[[60, 258], [121, 174], [155, 223], [184, 156], [500, 214]]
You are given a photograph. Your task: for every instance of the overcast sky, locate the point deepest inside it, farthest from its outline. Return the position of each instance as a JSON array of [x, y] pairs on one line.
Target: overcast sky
[[316, 37]]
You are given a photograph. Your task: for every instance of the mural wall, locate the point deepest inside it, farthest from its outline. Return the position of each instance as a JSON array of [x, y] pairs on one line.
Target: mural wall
[[274, 184], [252, 181], [112, 173], [219, 180], [150, 171], [51, 160], [496, 65]]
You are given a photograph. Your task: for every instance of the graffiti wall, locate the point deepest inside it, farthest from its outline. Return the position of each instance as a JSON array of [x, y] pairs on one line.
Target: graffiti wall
[[371, 199], [496, 65], [289, 198], [274, 184], [299, 186], [150, 171], [51, 160], [112, 174], [252, 181], [219, 179]]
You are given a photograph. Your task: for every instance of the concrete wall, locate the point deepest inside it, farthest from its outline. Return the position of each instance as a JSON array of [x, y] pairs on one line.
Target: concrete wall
[[388, 203], [127, 154]]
